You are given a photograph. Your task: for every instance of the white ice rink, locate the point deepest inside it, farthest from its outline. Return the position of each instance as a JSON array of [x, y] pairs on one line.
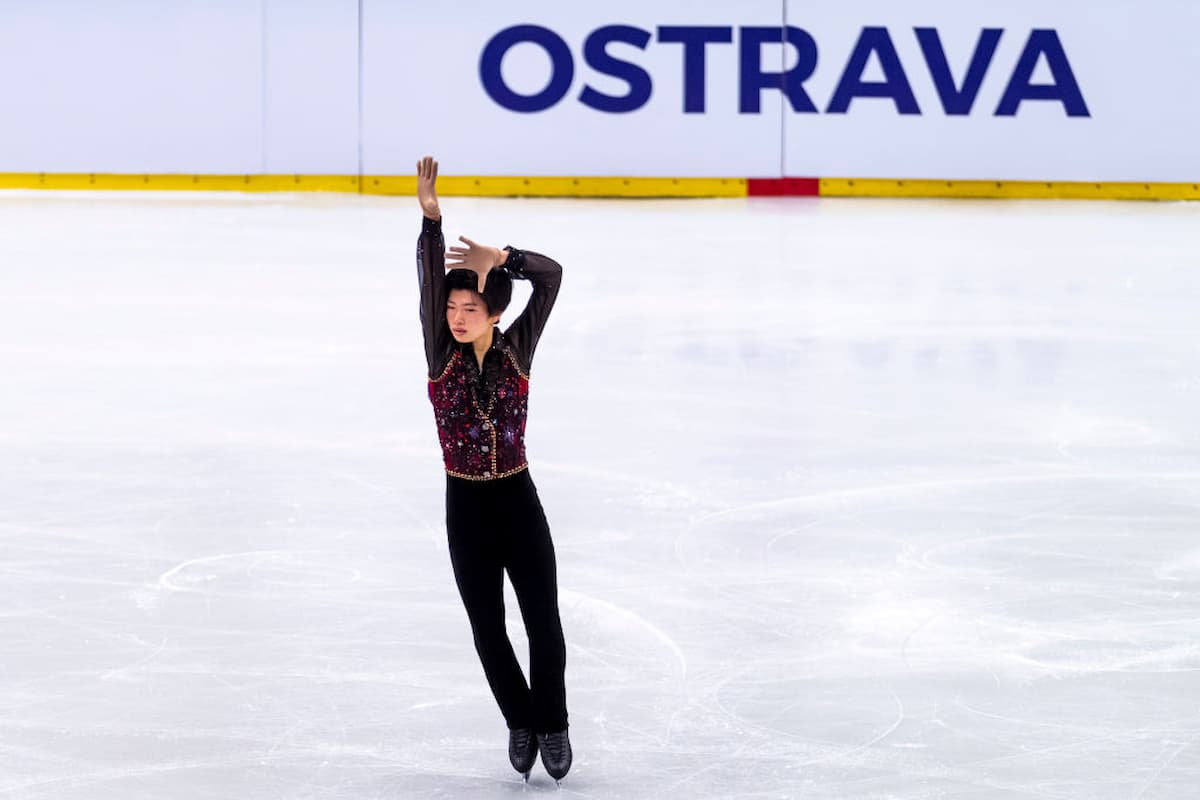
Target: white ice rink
[[852, 499]]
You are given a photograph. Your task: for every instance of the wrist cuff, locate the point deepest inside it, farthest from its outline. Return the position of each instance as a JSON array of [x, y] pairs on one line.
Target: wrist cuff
[[515, 261]]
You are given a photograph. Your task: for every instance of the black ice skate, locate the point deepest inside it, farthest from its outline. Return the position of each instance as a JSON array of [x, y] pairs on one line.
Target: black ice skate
[[522, 750], [556, 753]]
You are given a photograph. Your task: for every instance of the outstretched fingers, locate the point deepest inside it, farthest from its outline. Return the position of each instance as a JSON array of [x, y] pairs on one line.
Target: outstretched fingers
[[427, 168]]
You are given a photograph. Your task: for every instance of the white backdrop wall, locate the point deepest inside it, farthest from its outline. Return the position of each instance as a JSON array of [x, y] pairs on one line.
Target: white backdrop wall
[[131, 86], [1097, 91], [1134, 63], [310, 87], [431, 98]]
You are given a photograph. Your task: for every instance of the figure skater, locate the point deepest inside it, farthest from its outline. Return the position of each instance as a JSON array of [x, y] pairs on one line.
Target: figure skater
[[479, 387]]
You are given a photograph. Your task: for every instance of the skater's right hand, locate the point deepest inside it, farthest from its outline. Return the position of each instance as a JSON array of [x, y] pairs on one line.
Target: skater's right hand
[[427, 170], [479, 258]]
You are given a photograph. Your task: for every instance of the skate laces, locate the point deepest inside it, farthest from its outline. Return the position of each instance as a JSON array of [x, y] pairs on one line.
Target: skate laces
[[556, 743], [522, 748], [521, 740]]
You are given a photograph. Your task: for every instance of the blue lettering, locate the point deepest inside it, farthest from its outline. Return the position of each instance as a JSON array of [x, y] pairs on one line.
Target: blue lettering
[[895, 82], [597, 57], [1064, 89], [955, 101], [561, 74], [791, 83], [957, 98], [694, 40]]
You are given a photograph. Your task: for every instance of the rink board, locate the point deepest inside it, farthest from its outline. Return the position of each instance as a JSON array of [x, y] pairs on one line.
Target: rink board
[[1023, 93], [554, 186]]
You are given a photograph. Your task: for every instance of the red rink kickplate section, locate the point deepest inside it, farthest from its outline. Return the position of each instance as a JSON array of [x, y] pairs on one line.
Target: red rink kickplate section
[[778, 187]]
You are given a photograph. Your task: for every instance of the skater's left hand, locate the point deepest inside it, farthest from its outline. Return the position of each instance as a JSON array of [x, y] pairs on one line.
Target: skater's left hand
[[427, 170], [477, 257]]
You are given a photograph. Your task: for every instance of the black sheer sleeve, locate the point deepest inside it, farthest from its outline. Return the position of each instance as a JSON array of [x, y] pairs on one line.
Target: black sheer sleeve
[[546, 276], [431, 272]]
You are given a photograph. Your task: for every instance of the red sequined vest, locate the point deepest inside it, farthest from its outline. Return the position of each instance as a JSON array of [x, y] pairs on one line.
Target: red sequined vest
[[481, 439]]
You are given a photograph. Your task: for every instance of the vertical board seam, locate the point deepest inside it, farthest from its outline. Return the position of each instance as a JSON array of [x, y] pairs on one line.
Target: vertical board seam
[[262, 88], [359, 136], [782, 90]]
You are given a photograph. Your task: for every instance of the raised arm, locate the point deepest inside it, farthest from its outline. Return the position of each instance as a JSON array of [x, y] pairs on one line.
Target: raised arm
[[431, 268], [546, 276]]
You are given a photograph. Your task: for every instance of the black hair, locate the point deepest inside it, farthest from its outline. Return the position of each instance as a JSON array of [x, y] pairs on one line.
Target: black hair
[[497, 291]]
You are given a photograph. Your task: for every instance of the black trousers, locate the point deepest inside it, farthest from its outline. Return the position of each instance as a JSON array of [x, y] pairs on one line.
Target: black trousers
[[493, 527]]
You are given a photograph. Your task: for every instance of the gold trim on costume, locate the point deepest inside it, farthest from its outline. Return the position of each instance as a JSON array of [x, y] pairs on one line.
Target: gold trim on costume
[[516, 364], [449, 364], [488, 477]]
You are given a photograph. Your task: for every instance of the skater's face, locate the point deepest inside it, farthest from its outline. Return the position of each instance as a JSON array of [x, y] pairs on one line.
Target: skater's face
[[467, 315]]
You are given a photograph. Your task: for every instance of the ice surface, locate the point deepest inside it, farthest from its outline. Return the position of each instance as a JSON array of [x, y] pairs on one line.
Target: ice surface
[[852, 499]]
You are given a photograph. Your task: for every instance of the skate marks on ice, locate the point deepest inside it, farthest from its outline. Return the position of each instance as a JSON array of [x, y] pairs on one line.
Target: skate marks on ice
[[876, 637], [1013, 623], [883, 493], [288, 568], [597, 622]]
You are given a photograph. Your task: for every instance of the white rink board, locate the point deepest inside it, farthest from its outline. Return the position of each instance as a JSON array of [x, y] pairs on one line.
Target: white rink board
[[341, 86], [427, 95], [131, 86], [311, 87], [1134, 64]]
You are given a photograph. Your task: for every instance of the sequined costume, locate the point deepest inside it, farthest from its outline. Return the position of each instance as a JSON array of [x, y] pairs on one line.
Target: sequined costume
[[481, 427], [495, 522], [481, 414]]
